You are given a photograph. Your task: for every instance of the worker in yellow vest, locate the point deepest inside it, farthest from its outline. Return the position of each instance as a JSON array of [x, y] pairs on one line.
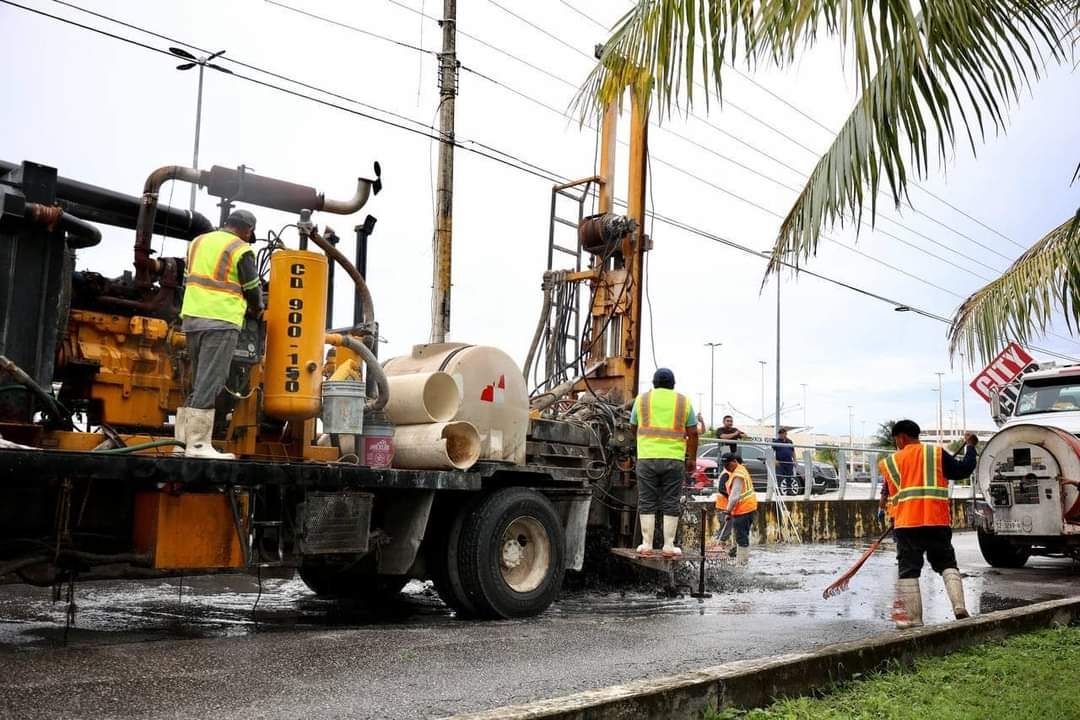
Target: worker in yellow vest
[[667, 439], [741, 505], [917, 477], [221, 287]]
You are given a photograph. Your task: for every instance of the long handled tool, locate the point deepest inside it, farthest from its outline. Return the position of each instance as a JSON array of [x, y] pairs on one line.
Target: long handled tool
[[841, 583]]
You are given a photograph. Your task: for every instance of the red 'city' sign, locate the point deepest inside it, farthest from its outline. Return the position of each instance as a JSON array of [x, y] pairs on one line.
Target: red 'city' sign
[[1009, 363]]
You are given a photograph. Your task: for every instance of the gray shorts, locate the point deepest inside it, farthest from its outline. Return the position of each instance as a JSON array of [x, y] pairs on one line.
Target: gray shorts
[[660, 484]]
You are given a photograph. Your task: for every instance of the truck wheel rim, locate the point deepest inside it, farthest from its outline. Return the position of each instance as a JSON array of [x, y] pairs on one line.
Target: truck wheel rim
[[526, 554]]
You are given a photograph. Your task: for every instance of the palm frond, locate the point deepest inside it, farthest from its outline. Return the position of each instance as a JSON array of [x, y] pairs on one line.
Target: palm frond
[[954, 68], [1043, 281]]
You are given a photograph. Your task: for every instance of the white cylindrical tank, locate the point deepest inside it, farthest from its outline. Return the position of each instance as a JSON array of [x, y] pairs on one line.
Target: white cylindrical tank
[[493, 393], [1053, 454]]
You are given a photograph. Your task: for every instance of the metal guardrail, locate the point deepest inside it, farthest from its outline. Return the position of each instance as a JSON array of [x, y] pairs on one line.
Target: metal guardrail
[[805, 463]]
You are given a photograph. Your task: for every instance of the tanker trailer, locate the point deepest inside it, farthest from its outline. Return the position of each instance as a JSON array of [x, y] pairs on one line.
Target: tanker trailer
[[1029, 473]]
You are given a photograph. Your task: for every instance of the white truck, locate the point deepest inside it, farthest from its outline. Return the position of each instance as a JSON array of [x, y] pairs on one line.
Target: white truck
[[1029, 472]]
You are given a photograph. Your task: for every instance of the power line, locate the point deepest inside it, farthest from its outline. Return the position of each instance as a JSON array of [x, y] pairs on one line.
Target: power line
[[347, 26], [508, 159]]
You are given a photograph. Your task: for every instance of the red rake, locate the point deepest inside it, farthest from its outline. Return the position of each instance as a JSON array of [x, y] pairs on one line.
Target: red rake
[[841, 583]]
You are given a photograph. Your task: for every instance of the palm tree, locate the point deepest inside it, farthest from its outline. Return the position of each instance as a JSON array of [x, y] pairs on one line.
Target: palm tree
[[930, 72]]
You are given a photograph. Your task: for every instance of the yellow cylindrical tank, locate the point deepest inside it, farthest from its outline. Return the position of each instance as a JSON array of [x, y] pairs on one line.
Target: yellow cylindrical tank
[[295, 328]]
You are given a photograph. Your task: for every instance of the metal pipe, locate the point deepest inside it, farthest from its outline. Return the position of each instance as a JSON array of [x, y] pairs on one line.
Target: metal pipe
[[374, 369], [348, 207], [144, 226], [78, 233], [101, 205], [363, 234]]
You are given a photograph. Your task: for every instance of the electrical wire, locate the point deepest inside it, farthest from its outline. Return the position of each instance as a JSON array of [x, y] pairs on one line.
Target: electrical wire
[[502, 157]]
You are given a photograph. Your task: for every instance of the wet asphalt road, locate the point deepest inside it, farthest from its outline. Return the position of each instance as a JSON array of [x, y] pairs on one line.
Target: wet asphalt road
[[139, 651]]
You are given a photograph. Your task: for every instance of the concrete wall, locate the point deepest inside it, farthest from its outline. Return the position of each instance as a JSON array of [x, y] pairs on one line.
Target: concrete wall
[[815, 520]]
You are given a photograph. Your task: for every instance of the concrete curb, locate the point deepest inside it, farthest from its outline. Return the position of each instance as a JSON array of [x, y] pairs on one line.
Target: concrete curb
[[755, 683]]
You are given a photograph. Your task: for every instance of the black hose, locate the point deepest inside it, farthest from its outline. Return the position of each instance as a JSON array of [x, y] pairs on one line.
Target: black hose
[[19, 375]]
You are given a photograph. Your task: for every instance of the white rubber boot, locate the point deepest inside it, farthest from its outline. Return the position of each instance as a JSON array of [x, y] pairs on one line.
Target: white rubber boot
[[648, 527], [671, 526], [180, 429], [199, 428], [954, 588], [908, 610], [742, 556]]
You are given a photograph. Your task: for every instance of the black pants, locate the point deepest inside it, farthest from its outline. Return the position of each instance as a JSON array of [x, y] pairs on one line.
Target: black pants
[[912, 543], [742, 525]]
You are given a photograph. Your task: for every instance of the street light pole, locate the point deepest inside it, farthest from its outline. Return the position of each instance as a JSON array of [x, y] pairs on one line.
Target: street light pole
[[804, 405], [776, 423], [201, 63], [963, 399], [712, 381], [851, 435], [939, 402], [762, 363]]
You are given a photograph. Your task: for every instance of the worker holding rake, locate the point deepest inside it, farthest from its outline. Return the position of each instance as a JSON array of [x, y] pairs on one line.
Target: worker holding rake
[[917, 478]]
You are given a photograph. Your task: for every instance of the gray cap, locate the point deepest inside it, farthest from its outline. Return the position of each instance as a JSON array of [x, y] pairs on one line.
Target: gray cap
[[241, 217]]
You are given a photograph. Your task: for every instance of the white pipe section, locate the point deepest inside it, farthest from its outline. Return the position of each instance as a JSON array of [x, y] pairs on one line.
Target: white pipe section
[[422, 398], [436, 446]]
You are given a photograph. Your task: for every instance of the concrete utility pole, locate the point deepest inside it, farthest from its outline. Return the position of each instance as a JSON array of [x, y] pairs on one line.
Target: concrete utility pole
[[444, 193], [939, 397], [712, 381]]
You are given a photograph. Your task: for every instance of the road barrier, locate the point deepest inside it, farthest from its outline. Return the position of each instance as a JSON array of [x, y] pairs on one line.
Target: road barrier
[[757, 683], [813, 521]]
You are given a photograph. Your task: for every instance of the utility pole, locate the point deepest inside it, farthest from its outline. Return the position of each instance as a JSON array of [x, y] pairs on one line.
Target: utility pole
[[776, 424], [712, 381], [444, 193], [851, 436], [939, 397]]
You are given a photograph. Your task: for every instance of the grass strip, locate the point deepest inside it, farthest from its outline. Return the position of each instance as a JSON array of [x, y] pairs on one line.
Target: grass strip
[[1028, 677]]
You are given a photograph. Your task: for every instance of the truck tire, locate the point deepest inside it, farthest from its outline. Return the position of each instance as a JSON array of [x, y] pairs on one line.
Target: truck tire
[[340, 581], [1000, 552], [513, 554], [443, 561]]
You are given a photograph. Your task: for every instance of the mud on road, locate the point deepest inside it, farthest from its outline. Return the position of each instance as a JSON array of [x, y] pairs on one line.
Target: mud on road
[[214, 646]]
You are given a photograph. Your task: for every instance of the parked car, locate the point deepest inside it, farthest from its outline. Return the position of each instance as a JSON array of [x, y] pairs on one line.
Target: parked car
[[827, 475], [753, 458]]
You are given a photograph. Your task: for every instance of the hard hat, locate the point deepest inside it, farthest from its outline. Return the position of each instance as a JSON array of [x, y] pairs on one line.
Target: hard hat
[[241, 217]]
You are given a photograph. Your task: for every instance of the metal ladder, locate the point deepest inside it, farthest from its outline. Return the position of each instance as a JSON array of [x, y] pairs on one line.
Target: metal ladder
[[578, 193]]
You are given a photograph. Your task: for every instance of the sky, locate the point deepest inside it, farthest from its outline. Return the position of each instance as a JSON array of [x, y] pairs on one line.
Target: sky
[[108, 113]]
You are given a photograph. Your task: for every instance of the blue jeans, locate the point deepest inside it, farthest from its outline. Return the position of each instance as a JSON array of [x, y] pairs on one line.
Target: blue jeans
[[742, 525]]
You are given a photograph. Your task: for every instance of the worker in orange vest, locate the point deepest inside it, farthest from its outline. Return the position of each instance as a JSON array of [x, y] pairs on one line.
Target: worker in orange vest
[[917, 476], [741, 504]]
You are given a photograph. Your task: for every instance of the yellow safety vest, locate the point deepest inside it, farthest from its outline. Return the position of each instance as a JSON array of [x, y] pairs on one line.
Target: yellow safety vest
[[661, 433], [212, 287]]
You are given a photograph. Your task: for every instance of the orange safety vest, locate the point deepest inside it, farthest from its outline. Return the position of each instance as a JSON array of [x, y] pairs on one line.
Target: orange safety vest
[[918, 490], [747, 500], [721, 498]]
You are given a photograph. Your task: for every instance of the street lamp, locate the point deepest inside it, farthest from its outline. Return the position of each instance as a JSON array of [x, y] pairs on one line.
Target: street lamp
[[963, 397], [940, 394], [201, 63], [762, 363], [804, 404], [712, 381]]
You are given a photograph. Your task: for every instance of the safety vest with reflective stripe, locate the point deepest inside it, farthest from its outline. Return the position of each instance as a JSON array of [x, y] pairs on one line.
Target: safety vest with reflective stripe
[[918, 490], [747, 500], [661, 433], [212, 288]]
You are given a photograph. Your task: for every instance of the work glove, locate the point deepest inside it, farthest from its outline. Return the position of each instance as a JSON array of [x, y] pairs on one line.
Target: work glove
[[881, 516]]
